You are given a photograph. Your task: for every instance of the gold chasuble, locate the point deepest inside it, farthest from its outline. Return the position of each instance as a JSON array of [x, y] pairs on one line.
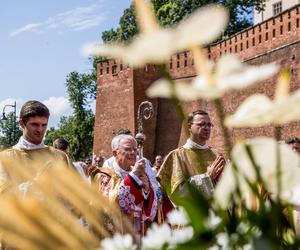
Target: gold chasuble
[[34, 161], [182, 163]]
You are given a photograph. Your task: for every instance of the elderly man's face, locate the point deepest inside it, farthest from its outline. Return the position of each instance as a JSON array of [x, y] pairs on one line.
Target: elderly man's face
[[200, 128], [125, 154]]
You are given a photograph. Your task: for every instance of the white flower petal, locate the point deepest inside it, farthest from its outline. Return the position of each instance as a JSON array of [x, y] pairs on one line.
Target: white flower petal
[[151, 47], [157, 236], [228, 64], [214, 220], [259, 110], [181, 235], [118, 242], [158, 45], [225, 188], [162, 88], [246, 76], [110, 50], [264, 151], [252, 112], [286, 110], [199, 28], [229, 73], [178, 217], [205, 89], [145, 16]]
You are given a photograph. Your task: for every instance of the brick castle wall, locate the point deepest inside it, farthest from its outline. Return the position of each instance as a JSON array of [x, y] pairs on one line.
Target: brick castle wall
[[121, 89]]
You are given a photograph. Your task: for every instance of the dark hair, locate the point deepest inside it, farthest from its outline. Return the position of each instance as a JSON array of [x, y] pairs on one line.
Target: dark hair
[[292, 140], [193, 114], [33, 108], [61, 143]]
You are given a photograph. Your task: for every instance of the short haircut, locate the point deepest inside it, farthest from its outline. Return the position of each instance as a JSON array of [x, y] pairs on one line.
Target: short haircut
[[193, 114], [292, 140], [33, 108], [61, 143], [115, 143]]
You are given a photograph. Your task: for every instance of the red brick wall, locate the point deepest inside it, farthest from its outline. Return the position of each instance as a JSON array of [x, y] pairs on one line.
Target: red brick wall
[[120, 90], [114, 104], [118, 96]]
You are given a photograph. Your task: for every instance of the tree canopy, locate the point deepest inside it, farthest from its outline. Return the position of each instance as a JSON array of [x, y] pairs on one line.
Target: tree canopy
[[10, 131], [170, 12], [78, 128]]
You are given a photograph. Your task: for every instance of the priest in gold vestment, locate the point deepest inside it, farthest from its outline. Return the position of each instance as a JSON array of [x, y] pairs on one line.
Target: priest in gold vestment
[[194, 158], [30, 152]]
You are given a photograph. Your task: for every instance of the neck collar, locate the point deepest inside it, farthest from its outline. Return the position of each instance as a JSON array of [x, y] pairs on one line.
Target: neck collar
[[24, 144], [190, 144]]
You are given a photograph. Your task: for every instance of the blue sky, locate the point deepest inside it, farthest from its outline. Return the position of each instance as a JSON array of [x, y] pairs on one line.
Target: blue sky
[[41, 43]]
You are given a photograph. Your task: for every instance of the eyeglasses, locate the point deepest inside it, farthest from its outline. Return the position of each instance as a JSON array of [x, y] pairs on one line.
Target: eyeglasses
[[204, 124]]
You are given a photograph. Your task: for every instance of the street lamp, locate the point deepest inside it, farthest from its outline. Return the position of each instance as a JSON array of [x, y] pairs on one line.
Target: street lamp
[[4, 118]]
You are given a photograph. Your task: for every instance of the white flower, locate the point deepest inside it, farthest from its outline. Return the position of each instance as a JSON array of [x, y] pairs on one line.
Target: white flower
[[178, 217], [213, 220], [118, 242], [163, 88], [229, 73], [264, 152], [222, 242], [259, 110], [157, 236], [156, 45], [145, 48], [181, 235]]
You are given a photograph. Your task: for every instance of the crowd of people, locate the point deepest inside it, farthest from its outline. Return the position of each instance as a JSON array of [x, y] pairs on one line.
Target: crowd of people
[[143, 191]]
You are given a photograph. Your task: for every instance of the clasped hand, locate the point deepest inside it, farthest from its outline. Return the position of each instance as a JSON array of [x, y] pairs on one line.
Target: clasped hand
[[139, 169], [216, 168]]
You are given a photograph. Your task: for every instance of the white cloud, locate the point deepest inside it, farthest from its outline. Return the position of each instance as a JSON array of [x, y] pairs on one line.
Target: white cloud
[[31, 27], [58, 106], [77, 19]]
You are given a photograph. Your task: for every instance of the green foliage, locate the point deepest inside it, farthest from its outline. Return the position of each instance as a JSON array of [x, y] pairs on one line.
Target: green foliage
[[126, 30], [170, 12], [67, 129], [10, 131], [78, 128]]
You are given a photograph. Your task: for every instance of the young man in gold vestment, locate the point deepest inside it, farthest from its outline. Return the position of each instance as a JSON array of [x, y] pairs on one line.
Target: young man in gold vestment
[[30, 151], [193, 158]]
